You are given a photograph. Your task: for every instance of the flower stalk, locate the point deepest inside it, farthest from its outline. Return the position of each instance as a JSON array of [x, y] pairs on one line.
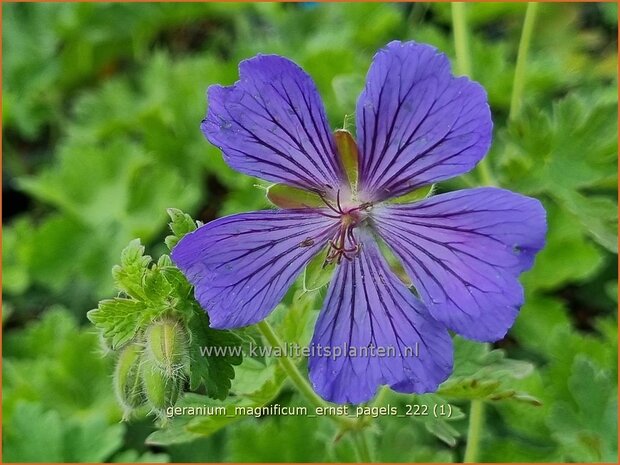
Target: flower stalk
[[361, 443], [463, 66], [474, 431], [518, 83], [461, 38], [297, 378]]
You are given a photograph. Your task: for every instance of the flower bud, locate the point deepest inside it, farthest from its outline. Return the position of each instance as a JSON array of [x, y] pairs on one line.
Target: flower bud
[[161, 391], [167, 347], [127, 381]]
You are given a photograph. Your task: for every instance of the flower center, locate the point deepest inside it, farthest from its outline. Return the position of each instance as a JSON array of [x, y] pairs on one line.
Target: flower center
[[344, 243]]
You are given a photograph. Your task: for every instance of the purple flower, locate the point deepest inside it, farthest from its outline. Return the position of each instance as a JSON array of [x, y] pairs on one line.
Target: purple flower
[[416, 125]]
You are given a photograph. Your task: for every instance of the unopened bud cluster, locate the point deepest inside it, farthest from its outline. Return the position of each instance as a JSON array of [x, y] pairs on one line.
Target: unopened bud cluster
[[151, 370]]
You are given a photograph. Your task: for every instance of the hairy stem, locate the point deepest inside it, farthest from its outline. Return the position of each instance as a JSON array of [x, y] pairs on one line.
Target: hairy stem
[[361, 443], [297, 378], [461, 38], [474, 431], [518, 83], [463, 66]]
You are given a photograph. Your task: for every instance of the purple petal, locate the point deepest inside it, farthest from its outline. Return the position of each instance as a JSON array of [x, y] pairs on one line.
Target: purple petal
[[242, 265], [367, 305], [416, 123], [464, 252], [271, 124]]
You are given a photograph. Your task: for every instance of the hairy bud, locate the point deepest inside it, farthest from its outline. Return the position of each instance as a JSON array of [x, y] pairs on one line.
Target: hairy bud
[[127, 380], [161, 391], [166, 347]]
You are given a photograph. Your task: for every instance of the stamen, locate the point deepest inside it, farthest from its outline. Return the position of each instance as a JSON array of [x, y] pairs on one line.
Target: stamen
[[338, 202], [343, 244], [351, 237], [329, 205], [325, 214]]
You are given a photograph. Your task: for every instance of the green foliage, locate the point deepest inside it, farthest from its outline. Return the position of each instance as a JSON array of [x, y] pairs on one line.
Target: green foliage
[[253, 441], [92, 440], [152, 290], [157, 316], [54, 363], [57, 401], [586, 426], [215, 371], [567, 257], [481, 373], [317, 275], [571, 155], [115, 33]]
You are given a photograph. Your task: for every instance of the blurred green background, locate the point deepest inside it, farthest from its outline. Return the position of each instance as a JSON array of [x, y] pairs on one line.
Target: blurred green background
[[101, 112]]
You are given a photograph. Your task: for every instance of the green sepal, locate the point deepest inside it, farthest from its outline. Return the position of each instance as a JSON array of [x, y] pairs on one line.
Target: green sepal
[[415, 195], [127, 381], [288, 197], [316, 274], [166, 346], [160, 390], [348, 154]]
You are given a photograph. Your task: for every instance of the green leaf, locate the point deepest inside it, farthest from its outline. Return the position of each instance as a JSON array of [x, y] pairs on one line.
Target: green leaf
[[214, 370], [133, 456], [15, 256], [206, 426], [119, 320], [55, 363], [253, 441], [175, 430], [598, 214], [92, 440], [570, 154], [539, 318], [37, 253], [444, 431], [395, 444], [439, 414], [34, 436], [481, 373], [251, 376], [129, 275], [568, 256], [156, 288], [574, 147], [586, 428], [180, 225], [189, 426]]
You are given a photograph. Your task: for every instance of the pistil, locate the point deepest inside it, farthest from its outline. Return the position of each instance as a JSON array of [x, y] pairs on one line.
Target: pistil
[[344, 244]]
